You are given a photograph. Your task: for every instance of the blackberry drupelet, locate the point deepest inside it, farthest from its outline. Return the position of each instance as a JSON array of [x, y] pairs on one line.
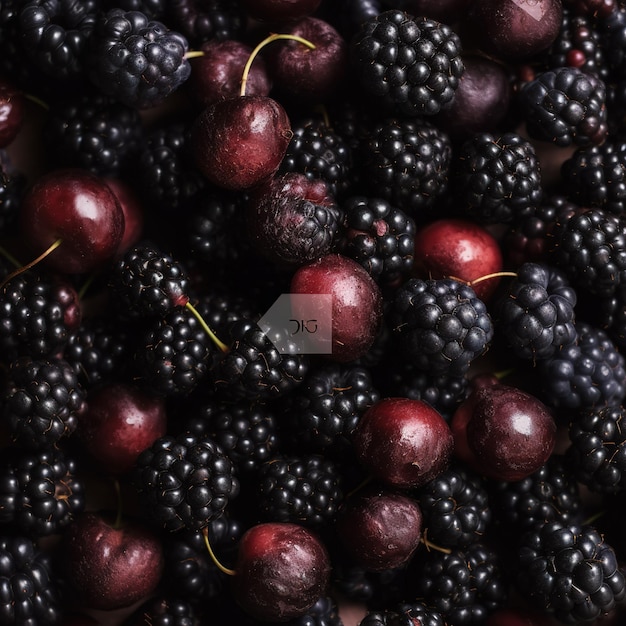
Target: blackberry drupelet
[[596, 176], [147, 282], [596, 455], [589, 245], [534, 315], [174, 354], [56, 35], [322, 413], [424, 615], [42, 400], [407, 162], [40, 492], [464, 586], [386, 618], [412, 65], [324, 612], [247, 432], [379, 236], [440, 326], [253, 367], [455, 508], [135, 60], [549, 494], [565, 106], [184, 482], [588, 374], [30, 595], [300, 489], [38, 314], [163, 610], [222, 307], [92, 132], [496, 178], [569, 571], [318, 151]]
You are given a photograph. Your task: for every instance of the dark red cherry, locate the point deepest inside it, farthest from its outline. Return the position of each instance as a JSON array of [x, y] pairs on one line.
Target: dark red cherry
[[279, 10], [134, 214], [11, 113]]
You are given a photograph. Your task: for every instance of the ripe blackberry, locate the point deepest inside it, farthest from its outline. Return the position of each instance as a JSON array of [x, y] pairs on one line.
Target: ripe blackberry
[[37, 315], [455, 508], [247, 432], [424, 615], [347, 16], [222, 307], [589, 373], [322, 413], [596, 455], [565, 106], [589, 245], [163, 610], [386, 618], [534, 314], [40, 492], [464, 586], [184, 482], [42, 400], [253, 367], [30, 595], [92, 132], [318, 151], [596, 176], [407, 162], [147, 282], [570, 572], [56, 35], [173, 355], [440, 326], [496, 178], [300, 489], [549, 494], [412, 65], [379, 236], [612, 30], [135, 60]]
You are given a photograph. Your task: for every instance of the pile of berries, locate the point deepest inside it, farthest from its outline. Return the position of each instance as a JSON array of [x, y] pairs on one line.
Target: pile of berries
[[312, 312]]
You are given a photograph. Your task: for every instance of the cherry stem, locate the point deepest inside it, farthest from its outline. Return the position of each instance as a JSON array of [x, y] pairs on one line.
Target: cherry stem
[[194, 54], [504, 373], [207, 543], [220, 344], [9, 257], [37, 101], [490, 276], [34, 262], [85, 286], [433, 546], [262, 44]]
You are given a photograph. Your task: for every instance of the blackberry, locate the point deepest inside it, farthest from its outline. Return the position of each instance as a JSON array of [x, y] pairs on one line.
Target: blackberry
[[153, 9], [40, 492], [92, 132], [318, 151], [596, 176], [412, 65], [464, 586], [30, 597], [184, 482], [570, 572], [163, 610], [378, 236], [222, 307], [135, 60], [56, 35], [496, 178], [440, 326], [42, 400], [300, 489], [455, 508], [589, 373], [324, 612], [322, 413], [612, 31], [37, 315], [534, 315], [565, 106], [596, 455], [589, 245], [386, 618], [174, 354], [146, 282], [253, 367], [407, 162], [549, 494], [348, 16], [425, 615], [246, 432]]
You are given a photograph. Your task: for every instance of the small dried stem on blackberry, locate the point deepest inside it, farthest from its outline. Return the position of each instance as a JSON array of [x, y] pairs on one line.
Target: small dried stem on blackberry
[[207, 543]]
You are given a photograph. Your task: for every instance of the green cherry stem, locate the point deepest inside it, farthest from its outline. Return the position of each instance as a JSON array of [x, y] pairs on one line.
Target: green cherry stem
[[262, 44], [34, 262], [207, 543], [194, 54], [220, 344], [490, 276]]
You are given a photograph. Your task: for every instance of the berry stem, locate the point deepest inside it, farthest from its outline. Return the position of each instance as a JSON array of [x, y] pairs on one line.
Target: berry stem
[[490, 276], [222, 568], [194, 54], [433, 546], [220, 344], [34, 262], [262, 44]]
